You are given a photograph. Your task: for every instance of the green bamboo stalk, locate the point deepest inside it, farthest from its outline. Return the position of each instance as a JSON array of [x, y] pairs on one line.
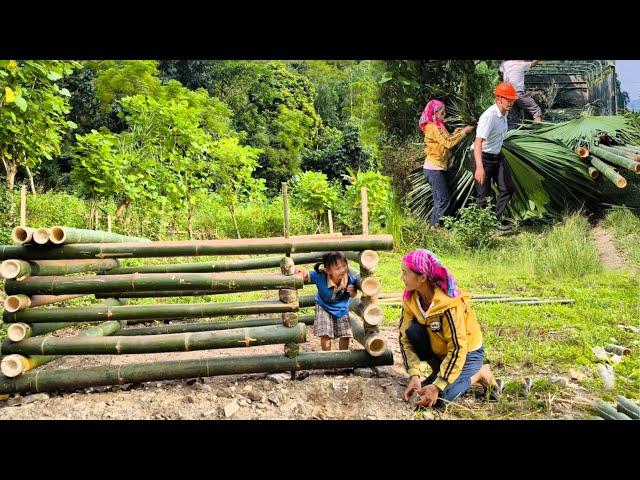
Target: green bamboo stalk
[[67, 379], [17, 364], [67, 235], [19, 331], [622, 152], [607, 412], [197, 247], [156, 312], [627, 407], [618, 160], [373, 343], [21, 235], [206, 327], [564, 301], [164, 293], [608, 171], [631, 148], [143, 282], [10, 269], [15, 303], [172, 342]]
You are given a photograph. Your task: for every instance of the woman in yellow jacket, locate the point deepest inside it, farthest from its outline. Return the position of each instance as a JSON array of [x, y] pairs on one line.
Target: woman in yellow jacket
[[438, 326], [438, 143]]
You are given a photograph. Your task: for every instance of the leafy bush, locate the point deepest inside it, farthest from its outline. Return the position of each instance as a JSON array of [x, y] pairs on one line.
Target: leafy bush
[[471, 230], [313, 192], [379, 199]]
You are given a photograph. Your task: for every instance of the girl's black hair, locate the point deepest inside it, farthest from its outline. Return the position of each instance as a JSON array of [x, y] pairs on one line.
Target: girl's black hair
[[330, 258]]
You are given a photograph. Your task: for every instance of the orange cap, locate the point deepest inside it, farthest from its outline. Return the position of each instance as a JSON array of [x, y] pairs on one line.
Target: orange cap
[[506, 90]]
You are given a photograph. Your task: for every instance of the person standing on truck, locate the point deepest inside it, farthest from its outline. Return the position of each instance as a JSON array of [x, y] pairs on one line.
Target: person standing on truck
[[513, 72]]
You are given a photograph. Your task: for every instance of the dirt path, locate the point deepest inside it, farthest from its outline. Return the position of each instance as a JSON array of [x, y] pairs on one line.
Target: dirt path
[[608, 254]]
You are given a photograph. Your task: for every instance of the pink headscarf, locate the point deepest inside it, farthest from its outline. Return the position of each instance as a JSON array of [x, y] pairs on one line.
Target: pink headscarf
[[428, 115], [426, 263]]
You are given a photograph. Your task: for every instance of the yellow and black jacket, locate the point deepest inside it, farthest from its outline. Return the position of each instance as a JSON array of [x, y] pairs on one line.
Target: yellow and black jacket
[[453, 332], [438, 144]]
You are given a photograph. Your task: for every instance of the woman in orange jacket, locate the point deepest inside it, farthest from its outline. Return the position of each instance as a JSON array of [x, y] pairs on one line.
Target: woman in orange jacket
[[438, 326]]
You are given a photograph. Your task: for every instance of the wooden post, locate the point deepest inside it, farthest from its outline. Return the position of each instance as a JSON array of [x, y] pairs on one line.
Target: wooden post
[[285, 203], [33, 187], [365, 210], [97, 220], [330, 215], [23, 206], [108, 223]]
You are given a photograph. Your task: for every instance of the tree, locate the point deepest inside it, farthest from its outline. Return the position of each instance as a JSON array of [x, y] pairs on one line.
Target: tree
[[32, 113]]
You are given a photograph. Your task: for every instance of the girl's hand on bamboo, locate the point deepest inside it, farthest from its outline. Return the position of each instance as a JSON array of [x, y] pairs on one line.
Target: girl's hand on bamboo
[[351, 290], [303, 272], [468, 129]]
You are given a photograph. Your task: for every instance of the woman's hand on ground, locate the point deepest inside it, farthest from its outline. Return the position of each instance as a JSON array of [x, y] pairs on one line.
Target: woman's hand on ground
[[428, 396], [414, 384]]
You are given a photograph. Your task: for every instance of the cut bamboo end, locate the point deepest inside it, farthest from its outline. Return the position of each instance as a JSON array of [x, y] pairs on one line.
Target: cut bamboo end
[[41, 236], [370, 286], [18, 331], [593, 172], [621, 182], [369, 259], [14, 365], [582, 152], [15, 303], [9, 269], [21, 235], [373, 315], [57, 235], [375, 346]]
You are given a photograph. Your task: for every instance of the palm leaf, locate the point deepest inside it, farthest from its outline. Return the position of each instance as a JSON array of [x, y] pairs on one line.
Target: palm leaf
[[587, 131]]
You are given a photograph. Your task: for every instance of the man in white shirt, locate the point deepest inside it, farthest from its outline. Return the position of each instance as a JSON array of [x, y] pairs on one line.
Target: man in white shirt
[[488, 162], [513, 72]]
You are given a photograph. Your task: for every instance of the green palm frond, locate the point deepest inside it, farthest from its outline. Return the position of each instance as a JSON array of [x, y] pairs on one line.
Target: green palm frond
[[587, 131]]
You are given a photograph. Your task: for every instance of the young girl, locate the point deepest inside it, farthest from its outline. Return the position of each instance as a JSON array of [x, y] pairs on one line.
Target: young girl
[[335, 286]]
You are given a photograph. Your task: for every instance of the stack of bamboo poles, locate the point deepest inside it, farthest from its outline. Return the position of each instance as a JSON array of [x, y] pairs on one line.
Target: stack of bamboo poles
[[606, 160], [624, 410], [75, 262]]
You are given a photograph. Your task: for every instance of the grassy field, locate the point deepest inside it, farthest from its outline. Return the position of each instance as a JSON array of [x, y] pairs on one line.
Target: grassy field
[[551, 344]]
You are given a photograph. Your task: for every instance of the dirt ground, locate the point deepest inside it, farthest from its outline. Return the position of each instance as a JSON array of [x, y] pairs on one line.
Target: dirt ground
[[367, 394]]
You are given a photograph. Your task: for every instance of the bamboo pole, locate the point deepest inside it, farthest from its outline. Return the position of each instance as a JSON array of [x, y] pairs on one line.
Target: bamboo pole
[[368, 258], [330, 217], [369, 286], [41, 236], [365, 210], [21, 235], [593, 172], [109, 223], [616, 159], [16, 332], [16, 364], [171, 342], [621, 152], [607, 412], [23, 206], [155, 371], [197, 247], [631, 148], [617, 349], [285, 204], [373, 343], [143, 282], [606, 170], [10, 269], [627, 407], [156, 312], [582, 152], [15, 303], [206, 327], [67, 235]]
